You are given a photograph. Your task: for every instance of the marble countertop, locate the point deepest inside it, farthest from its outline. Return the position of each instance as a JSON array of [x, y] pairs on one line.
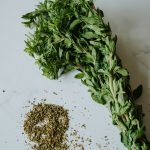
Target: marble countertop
[[21, 80]]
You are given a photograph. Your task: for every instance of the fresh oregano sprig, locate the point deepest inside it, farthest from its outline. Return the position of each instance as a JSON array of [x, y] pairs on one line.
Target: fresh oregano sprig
[[71, 34]]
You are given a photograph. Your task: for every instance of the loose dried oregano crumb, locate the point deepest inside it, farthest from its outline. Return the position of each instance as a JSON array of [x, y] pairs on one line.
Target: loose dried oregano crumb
[[44, 117], [46, 125]]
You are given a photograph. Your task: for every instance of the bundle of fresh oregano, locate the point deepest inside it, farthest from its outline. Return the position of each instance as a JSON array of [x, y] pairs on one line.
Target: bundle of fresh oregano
[[71, 34]]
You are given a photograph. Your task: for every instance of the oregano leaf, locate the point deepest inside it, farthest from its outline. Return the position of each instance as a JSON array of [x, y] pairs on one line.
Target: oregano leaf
[[137, 92], [79, 75]]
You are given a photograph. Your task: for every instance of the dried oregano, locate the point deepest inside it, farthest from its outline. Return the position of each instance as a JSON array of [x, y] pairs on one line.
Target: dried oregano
[[71, 34], [46, 126]]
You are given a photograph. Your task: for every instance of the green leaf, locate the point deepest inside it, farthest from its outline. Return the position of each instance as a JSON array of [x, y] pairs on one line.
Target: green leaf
[[105, 72], [137, 92], [94, 53], [79, 75], [112, 44], [57, 39], [124, 109], [74, 24], [92, 90], [95, 28], [134, 122], [123, 72], [89, 58], [28, 15], [100, 12], [68, 43], [67, 56], [89, 35], [60, 52], [67, 69], [124, 139], [121, 125], [138, 133], [84, 82], [89, 20], [87, 82], [98, 99], [98, 44], [144, 146]]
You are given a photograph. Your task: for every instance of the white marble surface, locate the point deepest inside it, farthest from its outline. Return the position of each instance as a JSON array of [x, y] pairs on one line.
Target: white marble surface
[[22, 80]]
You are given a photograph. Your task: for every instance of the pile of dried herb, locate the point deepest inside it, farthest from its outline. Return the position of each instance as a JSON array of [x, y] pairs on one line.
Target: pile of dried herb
[[46, 125], [71, 34]]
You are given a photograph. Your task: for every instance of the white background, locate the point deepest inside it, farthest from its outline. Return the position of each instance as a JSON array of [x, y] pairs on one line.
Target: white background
[[22, 80]]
